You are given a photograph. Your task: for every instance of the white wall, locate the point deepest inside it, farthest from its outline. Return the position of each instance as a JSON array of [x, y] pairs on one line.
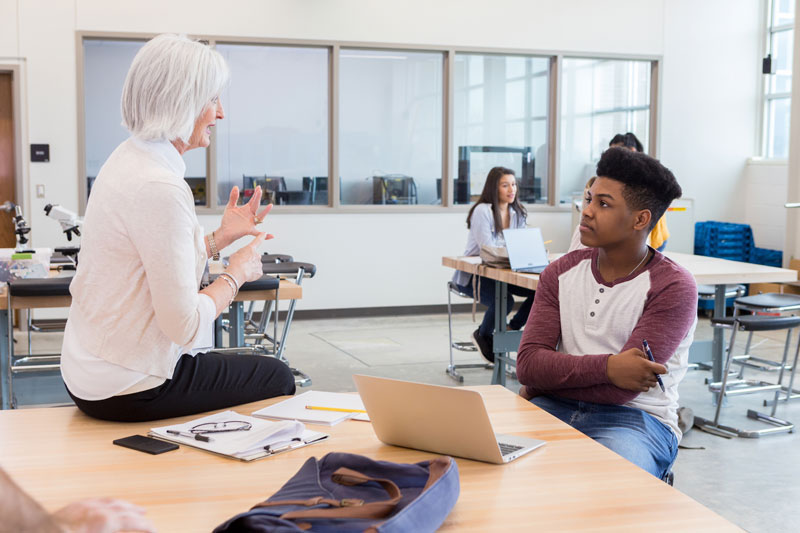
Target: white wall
[[708, 120], [765, 185]]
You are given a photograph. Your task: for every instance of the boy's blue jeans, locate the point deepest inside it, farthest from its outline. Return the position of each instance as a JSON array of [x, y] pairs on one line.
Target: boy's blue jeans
[[635, 435]]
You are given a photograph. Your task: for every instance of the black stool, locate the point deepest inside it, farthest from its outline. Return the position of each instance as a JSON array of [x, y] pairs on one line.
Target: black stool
[[762, 303], [750, 324], [452, 368]]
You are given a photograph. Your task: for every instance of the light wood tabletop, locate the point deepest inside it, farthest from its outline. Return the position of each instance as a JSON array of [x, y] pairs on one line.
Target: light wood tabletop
[[715, 271], [572, 483], [706, 270], [288, 290], [472, 265]]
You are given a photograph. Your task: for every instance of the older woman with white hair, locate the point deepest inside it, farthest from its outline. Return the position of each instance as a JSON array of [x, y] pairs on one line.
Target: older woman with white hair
[[139, 333]]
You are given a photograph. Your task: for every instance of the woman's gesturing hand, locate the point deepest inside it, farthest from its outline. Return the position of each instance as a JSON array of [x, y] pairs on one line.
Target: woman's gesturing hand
[[240, 220], [245, 264]]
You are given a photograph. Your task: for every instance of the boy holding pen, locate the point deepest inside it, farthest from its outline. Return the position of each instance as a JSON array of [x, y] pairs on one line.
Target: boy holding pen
[[581, 357]]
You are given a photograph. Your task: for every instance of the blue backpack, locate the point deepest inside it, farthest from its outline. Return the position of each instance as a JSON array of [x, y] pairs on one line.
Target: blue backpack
[[344, 492]]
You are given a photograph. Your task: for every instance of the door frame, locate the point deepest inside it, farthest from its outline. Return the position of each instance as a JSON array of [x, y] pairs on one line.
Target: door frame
[[21, 156]]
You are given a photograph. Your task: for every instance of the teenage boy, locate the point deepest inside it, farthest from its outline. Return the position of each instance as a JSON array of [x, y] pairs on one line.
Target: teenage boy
[[581, 355]]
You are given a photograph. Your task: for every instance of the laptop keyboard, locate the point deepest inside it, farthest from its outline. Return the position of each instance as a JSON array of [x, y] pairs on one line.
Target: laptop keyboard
[[506, 449]]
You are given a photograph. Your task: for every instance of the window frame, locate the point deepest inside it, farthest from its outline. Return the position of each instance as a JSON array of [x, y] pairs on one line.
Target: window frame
[[766, 130], [214, 207]]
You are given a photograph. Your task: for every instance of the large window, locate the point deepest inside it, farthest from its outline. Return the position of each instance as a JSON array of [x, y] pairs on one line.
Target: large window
[[404, 126], [599, 98], [778, 83], [500, 119], [275, 131], [390, 126], [105, 65]]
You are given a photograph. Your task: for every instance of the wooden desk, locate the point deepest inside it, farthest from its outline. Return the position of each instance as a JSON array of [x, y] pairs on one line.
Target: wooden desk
[[287, 290], [59, 455], [721, 272], [706, 271]]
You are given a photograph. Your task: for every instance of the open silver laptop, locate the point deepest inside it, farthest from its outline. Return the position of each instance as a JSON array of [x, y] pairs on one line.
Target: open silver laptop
[[450, 421], [526, 251]]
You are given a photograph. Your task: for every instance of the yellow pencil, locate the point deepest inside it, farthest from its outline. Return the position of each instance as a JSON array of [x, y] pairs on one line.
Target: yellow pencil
[[339, 409]]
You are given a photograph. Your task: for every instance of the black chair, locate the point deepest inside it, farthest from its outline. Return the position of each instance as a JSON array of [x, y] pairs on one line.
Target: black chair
[[762, 303], [464, 346], [269, 184], [318, 187], [198, 186], [293, 198], [255, 335], [751, 324], [394, 189]]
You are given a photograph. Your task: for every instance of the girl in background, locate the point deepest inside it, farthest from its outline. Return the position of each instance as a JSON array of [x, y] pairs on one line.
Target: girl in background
[[498, 208]]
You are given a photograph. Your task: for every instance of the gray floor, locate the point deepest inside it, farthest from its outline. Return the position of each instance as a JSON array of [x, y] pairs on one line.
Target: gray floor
[[752, 482]]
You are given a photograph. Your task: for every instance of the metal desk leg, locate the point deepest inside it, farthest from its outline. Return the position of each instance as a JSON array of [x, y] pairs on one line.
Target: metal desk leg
[[500, 302], [218, 332], [236, 323], [5, 380], [718, 344]]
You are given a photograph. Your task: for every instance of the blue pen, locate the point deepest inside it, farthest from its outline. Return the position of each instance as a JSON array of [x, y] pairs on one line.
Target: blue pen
[[650, 356]]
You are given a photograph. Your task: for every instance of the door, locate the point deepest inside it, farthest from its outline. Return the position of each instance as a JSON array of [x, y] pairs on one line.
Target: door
[[7, 238]]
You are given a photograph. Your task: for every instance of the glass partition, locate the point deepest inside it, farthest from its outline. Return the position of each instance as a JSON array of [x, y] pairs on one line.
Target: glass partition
[[275, 131], [105, 65], [500, 117], [599, 99], [390, 126]]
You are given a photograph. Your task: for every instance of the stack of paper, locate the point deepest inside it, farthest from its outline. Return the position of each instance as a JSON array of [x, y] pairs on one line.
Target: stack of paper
[[336, 407], [262, 439]]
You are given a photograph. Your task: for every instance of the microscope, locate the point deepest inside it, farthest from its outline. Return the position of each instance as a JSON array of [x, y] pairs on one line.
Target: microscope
[[21, 228], [70, 223]]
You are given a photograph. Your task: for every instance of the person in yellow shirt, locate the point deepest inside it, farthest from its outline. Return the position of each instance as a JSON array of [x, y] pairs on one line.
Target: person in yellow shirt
[[660, 233]]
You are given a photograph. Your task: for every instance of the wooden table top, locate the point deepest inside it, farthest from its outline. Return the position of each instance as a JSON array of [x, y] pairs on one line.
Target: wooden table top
[[706, 270], [472, 265], [571, 484], [288, 290], [715, 271]]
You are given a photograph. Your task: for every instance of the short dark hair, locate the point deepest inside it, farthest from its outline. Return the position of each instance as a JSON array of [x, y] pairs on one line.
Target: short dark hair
[[647, 184], [628, 140]]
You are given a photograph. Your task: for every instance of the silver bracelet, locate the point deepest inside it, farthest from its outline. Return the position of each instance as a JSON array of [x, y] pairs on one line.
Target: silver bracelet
[[232, 287], [212, 244], [233, 279]]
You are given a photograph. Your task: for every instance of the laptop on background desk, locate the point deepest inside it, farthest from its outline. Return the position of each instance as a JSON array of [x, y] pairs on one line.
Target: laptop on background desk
[[526, 251], [445, 420]]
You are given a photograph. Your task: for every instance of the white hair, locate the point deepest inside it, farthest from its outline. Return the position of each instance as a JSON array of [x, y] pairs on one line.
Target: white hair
[[172, 80]]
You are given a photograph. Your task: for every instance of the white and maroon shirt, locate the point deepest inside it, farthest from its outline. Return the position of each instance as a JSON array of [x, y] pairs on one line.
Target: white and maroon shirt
[[578, 321]]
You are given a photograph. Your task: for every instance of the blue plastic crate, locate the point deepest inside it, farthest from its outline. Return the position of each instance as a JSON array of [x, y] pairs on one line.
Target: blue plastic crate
[[724, 240], [764, 256], [709, 304]]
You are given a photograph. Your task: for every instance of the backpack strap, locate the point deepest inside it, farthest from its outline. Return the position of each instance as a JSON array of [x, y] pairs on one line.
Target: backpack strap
[[352, 507], [346, 508]]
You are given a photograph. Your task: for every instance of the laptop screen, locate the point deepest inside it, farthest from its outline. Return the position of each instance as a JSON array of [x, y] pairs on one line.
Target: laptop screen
[[525, 248]]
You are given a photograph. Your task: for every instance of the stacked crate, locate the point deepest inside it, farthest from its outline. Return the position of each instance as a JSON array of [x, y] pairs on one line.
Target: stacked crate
[[726, 241]]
